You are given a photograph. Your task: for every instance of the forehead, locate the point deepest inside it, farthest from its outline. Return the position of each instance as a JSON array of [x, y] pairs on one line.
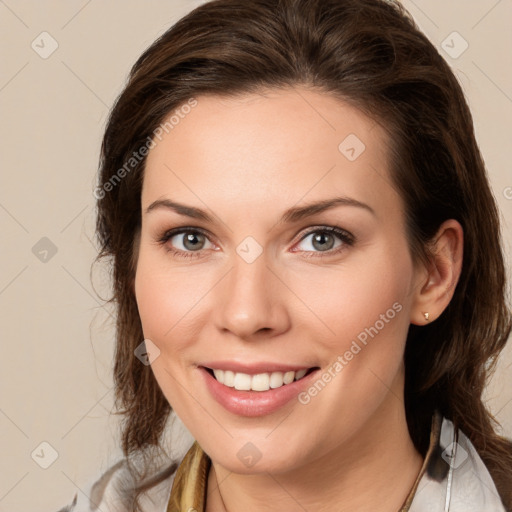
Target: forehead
[[270, 148]]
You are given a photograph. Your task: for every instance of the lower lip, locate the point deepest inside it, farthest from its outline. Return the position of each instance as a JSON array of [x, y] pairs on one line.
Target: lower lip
[[255, 403]]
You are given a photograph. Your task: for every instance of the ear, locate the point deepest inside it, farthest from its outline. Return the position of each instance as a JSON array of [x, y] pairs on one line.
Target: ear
[[435, 283]]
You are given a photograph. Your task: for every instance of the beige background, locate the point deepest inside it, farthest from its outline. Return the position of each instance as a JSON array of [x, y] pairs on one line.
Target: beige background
[[56, 384]]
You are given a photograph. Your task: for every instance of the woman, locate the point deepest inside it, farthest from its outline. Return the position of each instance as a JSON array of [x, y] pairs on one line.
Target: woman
[[307, 268]]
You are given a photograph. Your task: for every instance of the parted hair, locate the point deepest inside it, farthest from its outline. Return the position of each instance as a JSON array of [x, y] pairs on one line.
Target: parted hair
[[370, 54]]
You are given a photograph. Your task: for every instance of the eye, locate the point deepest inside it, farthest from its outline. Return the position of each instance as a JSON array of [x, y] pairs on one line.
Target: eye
[[184, 242], [328, 239], [192, 241]]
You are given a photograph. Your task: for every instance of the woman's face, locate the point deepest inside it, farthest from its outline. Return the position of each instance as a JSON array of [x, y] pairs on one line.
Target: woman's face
[[255, 279]]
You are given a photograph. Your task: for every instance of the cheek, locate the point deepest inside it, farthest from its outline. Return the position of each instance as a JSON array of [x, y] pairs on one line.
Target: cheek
[[165, 302], [363, 311], [368, 314], [165, 299], [347, 300]]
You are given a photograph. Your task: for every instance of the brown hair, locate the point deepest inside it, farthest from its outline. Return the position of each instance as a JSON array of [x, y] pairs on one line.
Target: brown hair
[[369, 53]]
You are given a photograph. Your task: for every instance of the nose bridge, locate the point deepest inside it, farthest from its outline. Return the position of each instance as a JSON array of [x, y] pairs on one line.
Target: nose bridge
[[249, 300]]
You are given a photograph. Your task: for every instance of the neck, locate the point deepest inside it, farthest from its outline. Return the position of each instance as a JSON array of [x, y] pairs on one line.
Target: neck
[[374, 470]]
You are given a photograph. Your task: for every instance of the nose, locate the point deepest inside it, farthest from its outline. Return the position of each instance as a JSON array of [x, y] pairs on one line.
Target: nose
[[251, 301]]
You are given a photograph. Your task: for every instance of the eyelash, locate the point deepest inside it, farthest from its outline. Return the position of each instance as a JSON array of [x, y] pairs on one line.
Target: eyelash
[[347, 238]]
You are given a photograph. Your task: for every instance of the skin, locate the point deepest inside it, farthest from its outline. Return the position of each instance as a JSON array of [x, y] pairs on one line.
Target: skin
[[246, 160]]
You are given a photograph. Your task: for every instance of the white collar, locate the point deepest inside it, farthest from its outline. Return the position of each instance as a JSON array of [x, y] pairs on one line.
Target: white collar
[[456, 479]]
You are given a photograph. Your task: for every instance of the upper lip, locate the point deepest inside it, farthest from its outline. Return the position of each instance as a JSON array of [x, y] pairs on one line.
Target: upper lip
[[255, 367]]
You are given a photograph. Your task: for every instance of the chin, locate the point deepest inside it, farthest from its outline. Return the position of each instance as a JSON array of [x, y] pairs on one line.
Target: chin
[[251, 457]]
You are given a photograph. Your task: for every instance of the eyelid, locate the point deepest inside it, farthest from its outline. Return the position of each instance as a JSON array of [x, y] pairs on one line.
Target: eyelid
[[345, 237], [170, 233], [342, 233]]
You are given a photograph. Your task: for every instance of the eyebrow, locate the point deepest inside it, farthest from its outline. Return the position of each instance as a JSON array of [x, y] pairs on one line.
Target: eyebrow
[[293, 214]]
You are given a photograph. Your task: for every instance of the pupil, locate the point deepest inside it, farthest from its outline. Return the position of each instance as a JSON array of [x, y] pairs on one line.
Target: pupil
[[191, 241], [320, 239]]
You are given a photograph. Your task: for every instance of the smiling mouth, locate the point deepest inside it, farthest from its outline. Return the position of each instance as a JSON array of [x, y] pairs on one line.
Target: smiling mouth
[[258, 382]]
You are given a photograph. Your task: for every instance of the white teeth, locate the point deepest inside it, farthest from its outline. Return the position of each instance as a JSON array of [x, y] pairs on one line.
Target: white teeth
[[288, 377], [276, 380], [258, 382], [229, 379], [242, 381], [300, 374]]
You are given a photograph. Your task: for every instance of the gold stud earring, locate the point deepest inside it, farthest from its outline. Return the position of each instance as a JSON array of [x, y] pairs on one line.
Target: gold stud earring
[[426, 315]]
